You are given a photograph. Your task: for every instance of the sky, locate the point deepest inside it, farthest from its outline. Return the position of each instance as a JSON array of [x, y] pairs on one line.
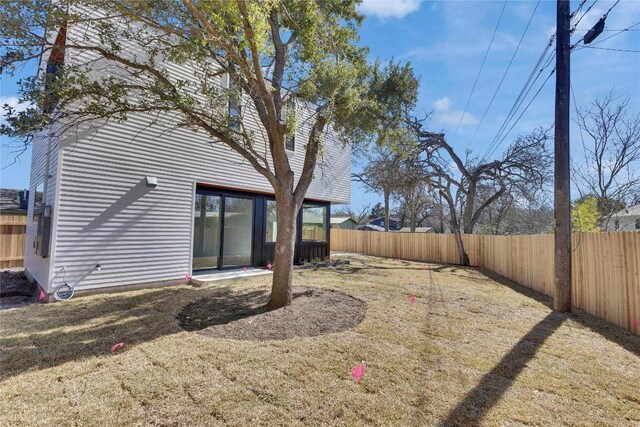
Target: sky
[[445, 42]]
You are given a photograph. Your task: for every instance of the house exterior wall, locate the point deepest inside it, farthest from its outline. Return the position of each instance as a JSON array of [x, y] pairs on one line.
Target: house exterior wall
[[347, 224], [106, 215], [625, 223], [36, 267]]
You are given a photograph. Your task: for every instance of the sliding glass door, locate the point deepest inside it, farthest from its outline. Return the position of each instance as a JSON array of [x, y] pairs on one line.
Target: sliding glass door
[[222, 231], [206, 231], [237, 231]]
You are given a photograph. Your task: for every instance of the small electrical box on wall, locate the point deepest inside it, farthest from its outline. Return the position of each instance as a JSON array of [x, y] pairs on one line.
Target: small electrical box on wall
[[43, 234]]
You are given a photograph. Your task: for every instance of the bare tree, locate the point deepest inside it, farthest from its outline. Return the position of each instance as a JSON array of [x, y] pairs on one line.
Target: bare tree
[[381, 175], [359, 215], [512, 215], [611, 147], [522, 171], [412, 193]]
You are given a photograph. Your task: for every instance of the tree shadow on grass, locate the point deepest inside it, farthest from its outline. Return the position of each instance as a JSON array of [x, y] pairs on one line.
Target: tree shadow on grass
[[606, 329], [475, 405], [44, 336], [416, 266]]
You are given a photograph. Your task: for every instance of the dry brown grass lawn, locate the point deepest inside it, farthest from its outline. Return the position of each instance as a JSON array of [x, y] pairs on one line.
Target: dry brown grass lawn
[[469, 351]]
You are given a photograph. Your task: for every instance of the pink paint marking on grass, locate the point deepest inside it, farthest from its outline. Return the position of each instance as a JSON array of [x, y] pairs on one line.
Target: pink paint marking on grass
[[244, 269], [187, 277], [412, 299], [358, 371], [117, 346]]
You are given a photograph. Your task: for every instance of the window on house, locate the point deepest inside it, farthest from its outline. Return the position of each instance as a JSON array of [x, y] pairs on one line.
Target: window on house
[[38, 198], [314, 223], [290, 139], [235, 95], [616, 224], [272, 225], [638, 224], [53, 69], [290, 143]]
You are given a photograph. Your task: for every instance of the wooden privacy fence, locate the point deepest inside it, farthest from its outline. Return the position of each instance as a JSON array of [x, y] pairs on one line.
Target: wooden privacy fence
[[606, 266], [12, 234]]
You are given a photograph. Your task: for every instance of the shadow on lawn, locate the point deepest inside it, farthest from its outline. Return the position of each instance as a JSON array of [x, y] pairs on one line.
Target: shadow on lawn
[[472, 409], [406, 266], [223, 308], [611, 332], [44, 336]]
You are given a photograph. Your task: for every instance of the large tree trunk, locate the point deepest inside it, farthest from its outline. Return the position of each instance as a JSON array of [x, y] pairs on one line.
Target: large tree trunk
[[467, 215], [287, 213], [412, 219], [455, 227]]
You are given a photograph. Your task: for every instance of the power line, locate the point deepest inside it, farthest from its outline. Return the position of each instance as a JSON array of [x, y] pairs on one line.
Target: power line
[[524, 92], [583, 15], [504, 5], [495, 93], [523, 111], [609, 48]]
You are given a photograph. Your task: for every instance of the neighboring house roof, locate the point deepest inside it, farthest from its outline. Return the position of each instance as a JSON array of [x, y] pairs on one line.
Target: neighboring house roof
[[13, 201], [418, 229], [630, 211], [341, 219], [382, 219], [371, 227], [393, 223]]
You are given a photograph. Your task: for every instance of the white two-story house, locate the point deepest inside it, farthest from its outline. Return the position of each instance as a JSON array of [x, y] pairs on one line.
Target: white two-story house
[[149, 202]]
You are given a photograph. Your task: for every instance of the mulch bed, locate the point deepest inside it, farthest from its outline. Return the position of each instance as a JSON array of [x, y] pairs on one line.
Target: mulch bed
[[15, 289], [242, 314]]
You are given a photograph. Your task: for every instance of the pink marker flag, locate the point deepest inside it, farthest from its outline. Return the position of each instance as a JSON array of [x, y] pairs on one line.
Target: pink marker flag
[[412, 299], [117, 346], [244, 269], [358, 371], [269, 266], [186, 276], [41, 295], [635, 323]]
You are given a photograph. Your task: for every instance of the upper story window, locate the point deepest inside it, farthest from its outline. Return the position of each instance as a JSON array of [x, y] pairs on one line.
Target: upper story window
[[290, 142], [616, 224], [290, 138], [234, 107], [638, 224], [53, 67]]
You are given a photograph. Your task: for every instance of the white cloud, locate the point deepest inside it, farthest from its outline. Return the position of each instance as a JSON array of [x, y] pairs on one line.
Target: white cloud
[[383, 9], [443, 114]]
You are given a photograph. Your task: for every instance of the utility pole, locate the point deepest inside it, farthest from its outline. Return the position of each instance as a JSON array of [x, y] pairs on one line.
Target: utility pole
[[562, 186]]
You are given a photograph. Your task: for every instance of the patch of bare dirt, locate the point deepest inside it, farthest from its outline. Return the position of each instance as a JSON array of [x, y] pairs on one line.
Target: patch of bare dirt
[[243, 315], [15, 289]]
